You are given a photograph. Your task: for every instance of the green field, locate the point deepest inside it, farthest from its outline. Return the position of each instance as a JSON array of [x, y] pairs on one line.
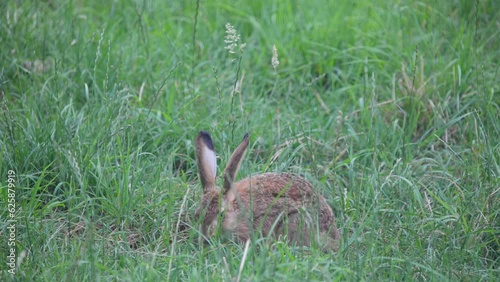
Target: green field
[[390, 108]]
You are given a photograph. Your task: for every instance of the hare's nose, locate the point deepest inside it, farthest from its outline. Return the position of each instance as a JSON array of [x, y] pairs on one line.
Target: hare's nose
[[212, 228]]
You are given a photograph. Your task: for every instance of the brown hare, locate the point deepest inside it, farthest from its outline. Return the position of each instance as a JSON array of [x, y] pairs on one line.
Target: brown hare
[[276, 204]]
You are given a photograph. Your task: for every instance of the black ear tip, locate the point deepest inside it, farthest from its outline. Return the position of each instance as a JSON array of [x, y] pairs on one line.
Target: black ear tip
[[245, 137], [206, 139], [204, 133]]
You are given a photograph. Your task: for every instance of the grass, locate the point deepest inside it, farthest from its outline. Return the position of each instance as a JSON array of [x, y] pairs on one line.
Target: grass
[[390, 108]]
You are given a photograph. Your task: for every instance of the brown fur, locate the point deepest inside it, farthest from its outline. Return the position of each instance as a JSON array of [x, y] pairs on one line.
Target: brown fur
[[276, 204]]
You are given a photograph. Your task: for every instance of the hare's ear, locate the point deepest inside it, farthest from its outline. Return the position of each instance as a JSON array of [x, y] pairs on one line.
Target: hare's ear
[[233, 164], [207, 163]]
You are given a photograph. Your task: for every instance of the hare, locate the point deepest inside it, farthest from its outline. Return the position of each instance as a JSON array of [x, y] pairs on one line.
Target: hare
[[276, 204]]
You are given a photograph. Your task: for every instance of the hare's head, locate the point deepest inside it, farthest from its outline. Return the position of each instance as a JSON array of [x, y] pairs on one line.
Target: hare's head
[[214, 200]]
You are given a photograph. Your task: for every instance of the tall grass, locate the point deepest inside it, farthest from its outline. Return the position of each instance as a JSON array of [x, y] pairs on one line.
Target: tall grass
[[390, 109]]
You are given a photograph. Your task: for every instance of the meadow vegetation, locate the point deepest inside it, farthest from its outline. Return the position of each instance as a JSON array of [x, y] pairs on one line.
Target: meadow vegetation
[[390, 108]]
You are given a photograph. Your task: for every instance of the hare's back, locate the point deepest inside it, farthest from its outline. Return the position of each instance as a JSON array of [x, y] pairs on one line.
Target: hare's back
[[271, 186]]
